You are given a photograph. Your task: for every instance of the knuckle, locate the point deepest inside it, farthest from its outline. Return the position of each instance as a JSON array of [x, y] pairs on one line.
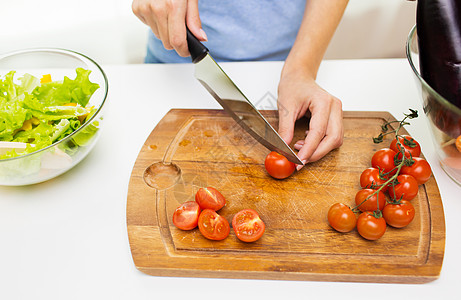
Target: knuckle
[[177, 41]]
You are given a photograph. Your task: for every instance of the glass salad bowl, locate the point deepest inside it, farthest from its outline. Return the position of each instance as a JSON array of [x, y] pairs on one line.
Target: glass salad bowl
[[51, 111], [444, 117]]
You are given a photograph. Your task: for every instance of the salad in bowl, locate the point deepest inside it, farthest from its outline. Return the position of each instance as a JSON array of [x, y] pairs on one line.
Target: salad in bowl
[[50, 113]]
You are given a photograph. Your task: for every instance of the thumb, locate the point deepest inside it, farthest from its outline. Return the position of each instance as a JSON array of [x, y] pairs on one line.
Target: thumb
[[286, 125], [193, 20]]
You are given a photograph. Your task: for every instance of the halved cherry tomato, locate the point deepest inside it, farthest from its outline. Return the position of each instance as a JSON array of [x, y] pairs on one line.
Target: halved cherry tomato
[[399, 215], [248, 226], [341, 217], [420, 170], [278, 166], [383, 160], [409, 144], [370, 204], [185, 217], [370, 227], [212, 225], [370, 178], [210, 198], [406, 189]]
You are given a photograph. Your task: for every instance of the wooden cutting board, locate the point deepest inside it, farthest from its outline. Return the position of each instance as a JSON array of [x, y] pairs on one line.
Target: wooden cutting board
[[210, 149]]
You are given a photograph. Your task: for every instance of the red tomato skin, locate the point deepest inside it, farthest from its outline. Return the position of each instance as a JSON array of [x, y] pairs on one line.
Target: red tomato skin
[[407, 189], [213, 226], [185, 217], [420, 170], [399, 215], [210, 198], [414, 151], [278, 166], [341, 218], [372, 203], [248, 220], [383, 160], [371, 176], [369, 227]]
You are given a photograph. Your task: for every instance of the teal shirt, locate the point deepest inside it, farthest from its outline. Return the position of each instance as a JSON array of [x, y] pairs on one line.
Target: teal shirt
[[241, 30]]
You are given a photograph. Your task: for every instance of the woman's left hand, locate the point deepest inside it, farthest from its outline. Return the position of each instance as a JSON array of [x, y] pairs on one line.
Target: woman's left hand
[[298, 95]]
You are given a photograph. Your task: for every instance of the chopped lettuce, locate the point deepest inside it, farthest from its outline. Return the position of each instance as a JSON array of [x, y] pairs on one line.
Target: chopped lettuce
[[43, 113]]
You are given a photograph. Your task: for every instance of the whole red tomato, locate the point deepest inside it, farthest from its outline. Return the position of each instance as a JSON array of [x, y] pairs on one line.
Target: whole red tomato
[[278, 166], [370, 178], [185, 217], [341, 217], [370, 204], [406, 189], [210, 198], [383, 160], [248, 226], [409, 144], [420, 170], [399, 215], [370, 227], [212, 225]]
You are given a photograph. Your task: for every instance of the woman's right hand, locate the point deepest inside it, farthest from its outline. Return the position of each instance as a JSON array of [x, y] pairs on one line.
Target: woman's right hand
[[168, 19]]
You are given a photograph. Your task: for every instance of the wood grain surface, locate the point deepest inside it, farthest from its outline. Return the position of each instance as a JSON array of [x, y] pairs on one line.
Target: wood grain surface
[[210, 149]]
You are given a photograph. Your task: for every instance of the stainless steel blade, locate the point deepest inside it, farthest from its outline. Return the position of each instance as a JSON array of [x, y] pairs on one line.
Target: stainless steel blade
[[234, 102]]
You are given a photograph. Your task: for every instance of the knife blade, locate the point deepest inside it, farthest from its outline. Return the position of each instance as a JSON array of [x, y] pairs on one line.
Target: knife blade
[[234, 102]]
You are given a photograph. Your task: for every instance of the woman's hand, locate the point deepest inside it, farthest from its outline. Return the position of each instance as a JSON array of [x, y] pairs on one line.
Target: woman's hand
[[298, 95], [168, 19]]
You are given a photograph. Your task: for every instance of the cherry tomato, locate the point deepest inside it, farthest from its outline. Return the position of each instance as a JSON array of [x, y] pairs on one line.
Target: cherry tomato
[[185, 217], [212, 225], [407, 188], [383, 160], [370, 179], [210, 198], [341, 217], [247, 225], [370, 227], [399, 215], [278, 166], [370, 204], [420, 170], [409, 144]]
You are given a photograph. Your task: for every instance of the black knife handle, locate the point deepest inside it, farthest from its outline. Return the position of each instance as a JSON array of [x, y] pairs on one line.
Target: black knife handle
[[197, 50]]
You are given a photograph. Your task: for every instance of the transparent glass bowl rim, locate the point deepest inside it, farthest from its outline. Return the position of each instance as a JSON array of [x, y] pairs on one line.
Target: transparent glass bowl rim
[[74, 54], [438, 97]]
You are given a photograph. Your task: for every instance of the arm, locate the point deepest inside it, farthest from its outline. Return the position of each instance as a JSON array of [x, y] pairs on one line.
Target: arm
[[298, 92]]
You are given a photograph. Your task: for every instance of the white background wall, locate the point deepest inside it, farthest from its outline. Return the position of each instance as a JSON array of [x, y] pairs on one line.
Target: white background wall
[[107, 30]]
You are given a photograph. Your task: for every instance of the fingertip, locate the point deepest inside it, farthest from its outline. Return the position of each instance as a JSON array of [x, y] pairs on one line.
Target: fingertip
[[203, 36], [299, 167]]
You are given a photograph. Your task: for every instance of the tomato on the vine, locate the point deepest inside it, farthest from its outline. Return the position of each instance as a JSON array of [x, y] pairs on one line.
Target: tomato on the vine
[[370, 204], [383, 160], [399, 215], [409, 144], [370, 178], [185, 217], [211, 198], [341, 217], [212, 225], [420, 170], [278, 166], [370, 227], [406, 188], [248, 226]]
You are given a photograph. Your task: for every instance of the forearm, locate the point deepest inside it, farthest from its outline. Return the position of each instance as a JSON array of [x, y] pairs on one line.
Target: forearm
[[321, 18]]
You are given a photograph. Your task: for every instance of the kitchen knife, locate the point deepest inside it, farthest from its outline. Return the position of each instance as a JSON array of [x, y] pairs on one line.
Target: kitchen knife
[[234, 102]]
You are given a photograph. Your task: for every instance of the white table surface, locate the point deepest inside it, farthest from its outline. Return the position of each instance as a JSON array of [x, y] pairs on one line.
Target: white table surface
[[67, 238]]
